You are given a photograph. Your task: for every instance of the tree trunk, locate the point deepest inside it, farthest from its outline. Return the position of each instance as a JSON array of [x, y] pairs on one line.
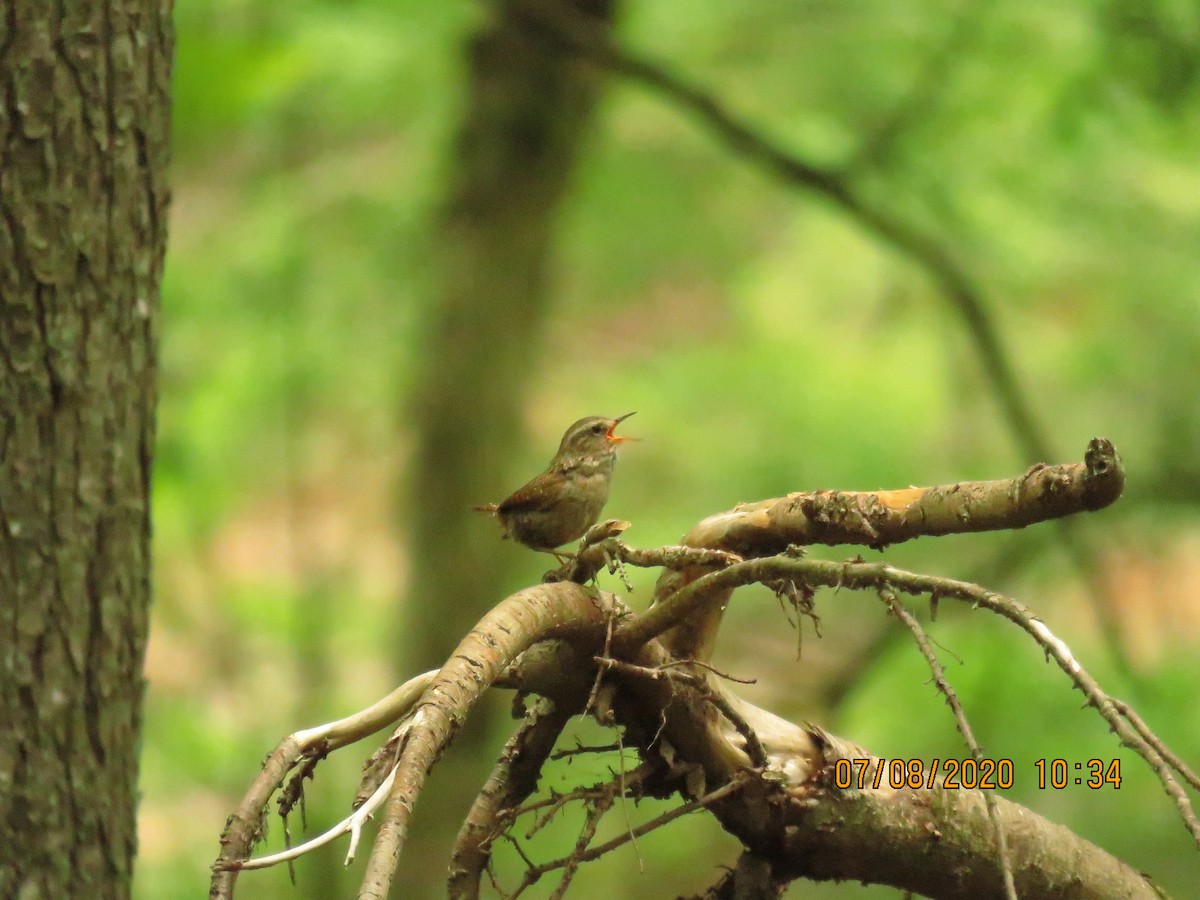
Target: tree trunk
[[527, 111], [84, 116]]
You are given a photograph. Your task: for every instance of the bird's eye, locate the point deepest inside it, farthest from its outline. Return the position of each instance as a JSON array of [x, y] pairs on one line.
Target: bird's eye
[[598, 428]]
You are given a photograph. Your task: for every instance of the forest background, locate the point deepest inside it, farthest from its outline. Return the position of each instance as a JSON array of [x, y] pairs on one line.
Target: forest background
[[767, 339]]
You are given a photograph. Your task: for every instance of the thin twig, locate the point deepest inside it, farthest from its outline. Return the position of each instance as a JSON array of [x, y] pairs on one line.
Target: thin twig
[[553, 806], [586, 833], [243, 828], [582, 748], [625, 805], [521, 853], [1153, 740], [601, 668], [514, 777], [591, 792], [754, 747], [960, 720], [708, 799], [592, 558], [351, 825], [711, 668]]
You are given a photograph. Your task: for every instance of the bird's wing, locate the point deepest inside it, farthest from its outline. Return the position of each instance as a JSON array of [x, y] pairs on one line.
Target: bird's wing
[[535, 496]]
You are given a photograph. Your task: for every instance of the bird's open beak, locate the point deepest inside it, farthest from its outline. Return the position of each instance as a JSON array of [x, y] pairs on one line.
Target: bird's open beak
[[617, 438]]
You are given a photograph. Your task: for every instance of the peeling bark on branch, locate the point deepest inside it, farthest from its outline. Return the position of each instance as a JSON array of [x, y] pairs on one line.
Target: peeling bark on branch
[[879, 518], [534, 614]]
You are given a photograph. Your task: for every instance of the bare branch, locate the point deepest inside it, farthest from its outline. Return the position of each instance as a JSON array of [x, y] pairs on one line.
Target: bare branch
[[694, 663], [776, 794], [752, 879], [960, 720], [880, 518], [372, 719], [578, 856], [670, 671], [513, 779], [243, 828], [580, 749], [594, 557], [586, 834], [351, 825], [842, 834], [503, 634], [876, 519], [1156, 742]]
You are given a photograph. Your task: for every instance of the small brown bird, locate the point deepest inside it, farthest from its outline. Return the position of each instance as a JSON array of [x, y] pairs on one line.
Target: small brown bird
[[564, 501]]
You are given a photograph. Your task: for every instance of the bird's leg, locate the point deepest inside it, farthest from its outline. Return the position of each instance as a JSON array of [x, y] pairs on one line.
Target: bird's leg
[[563, 558]]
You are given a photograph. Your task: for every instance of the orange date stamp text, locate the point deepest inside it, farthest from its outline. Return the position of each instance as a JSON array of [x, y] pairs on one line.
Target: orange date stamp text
[[949, 774], [970, 774]]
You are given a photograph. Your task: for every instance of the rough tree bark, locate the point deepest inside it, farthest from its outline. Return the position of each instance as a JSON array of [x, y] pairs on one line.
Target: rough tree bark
[[84, 112]]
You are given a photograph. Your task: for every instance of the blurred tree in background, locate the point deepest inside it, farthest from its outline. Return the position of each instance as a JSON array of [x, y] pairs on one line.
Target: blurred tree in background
[[328, 349], [518, 143]]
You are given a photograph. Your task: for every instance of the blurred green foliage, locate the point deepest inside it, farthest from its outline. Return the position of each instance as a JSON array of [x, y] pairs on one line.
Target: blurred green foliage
[[767, 342]]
